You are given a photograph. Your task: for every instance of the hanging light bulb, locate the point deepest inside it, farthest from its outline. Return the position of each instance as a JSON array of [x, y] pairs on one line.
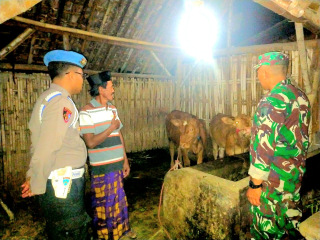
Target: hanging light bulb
[[198, 30]]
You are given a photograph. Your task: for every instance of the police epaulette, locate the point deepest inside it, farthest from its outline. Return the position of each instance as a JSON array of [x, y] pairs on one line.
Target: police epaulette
[[47, 99]]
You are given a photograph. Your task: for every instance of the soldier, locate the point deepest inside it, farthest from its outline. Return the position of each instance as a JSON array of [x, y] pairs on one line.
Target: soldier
[[278, 150], [58, 153]]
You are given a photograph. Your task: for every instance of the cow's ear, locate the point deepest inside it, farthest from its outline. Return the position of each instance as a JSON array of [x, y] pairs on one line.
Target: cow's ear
[[227, 120], [175, 122]]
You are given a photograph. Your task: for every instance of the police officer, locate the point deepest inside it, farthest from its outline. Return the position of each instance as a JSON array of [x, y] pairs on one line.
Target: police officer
[[278, 150], [56, 146]]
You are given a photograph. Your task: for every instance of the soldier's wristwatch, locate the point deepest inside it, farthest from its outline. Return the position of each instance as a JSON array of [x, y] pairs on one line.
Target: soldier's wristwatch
[[251, 184]]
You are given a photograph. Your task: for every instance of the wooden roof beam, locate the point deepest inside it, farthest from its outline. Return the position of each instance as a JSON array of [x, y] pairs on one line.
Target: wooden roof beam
[[42, 68], [258, 49], [31, 67], [16, 42], [296, 11], [131, 43]]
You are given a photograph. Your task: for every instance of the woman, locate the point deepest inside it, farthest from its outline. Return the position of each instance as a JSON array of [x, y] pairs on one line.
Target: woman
[[100, 126]]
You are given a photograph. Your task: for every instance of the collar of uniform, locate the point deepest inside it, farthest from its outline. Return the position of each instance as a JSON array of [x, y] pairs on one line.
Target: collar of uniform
[[60, 89], [283, 82]]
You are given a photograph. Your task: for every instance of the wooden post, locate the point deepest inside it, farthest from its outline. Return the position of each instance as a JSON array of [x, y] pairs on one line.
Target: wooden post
[[30, 58], [303, 56], [314, 96], [66, 42], [179, 82], [229, 40]]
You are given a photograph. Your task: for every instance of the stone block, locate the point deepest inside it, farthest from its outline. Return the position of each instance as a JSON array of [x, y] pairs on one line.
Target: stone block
[[310, 228]]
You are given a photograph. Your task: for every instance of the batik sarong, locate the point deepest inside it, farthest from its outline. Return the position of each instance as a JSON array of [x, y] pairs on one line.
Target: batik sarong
[[110, 206]]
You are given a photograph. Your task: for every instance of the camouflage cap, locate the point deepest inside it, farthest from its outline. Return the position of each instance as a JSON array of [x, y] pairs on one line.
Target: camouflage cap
[[272, 58]]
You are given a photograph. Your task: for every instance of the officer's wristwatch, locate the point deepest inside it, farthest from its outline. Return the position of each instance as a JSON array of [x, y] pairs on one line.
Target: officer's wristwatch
[[251, 184]]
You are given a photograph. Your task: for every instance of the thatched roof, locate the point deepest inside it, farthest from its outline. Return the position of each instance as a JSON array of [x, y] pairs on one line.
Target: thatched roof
[[138, 36]]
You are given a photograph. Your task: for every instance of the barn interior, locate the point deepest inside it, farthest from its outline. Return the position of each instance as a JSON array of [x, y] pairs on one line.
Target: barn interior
[[138, 41]]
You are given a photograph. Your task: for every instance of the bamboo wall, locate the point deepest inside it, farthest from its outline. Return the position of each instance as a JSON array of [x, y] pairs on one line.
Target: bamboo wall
[[227, 85], [139, 100], [230, 85]]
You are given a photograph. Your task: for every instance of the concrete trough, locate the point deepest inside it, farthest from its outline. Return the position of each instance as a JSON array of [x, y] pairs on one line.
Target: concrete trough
[[207, 201]]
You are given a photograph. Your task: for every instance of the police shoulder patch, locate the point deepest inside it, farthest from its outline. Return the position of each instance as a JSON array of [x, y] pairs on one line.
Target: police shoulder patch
[[66, 114]]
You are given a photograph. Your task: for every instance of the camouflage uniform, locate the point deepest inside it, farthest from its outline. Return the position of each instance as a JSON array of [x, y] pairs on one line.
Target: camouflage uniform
[[278, 149]]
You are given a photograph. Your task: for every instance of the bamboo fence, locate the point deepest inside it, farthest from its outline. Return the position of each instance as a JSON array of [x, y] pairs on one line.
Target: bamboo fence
[[227, 85]]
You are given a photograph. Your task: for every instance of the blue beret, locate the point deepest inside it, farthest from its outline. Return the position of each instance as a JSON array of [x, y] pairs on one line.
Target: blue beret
[[70, 57], [99, 78]]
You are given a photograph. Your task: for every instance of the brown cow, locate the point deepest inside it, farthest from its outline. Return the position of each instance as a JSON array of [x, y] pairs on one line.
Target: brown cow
[[187, 133], [230, 134]]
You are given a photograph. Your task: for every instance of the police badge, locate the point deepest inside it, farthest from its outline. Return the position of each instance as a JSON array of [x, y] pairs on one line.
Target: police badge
[[66, 114], [83, 61]]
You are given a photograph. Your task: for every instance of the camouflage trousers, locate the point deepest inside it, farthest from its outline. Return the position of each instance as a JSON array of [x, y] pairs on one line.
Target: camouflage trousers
[[277, 216]]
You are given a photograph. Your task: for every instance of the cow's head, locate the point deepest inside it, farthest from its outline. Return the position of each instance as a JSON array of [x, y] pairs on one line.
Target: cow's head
[[190, 131], [243, 125]]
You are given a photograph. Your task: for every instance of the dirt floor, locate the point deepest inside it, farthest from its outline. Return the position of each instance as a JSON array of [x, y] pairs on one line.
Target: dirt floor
[[142, 187]]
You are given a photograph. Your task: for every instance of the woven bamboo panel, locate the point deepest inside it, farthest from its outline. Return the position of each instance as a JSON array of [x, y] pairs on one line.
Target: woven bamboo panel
[[18, 96], [227, 85]]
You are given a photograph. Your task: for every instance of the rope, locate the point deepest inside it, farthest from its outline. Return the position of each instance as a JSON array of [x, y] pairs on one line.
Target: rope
[[175, 167]]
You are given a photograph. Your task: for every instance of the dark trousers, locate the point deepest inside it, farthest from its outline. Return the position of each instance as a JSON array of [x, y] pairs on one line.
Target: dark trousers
[[65, 218]]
